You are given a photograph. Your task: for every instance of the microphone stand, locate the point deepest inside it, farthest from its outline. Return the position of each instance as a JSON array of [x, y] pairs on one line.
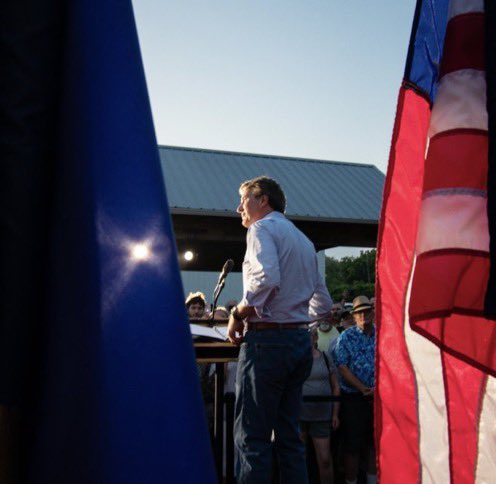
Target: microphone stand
[[217, 291], [219, 390]]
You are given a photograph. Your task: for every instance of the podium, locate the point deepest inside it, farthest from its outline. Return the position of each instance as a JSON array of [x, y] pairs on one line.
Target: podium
[[219, 353], [215, 352]]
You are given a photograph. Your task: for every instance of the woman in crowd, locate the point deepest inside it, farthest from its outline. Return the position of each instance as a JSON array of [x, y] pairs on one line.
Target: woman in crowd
[[317, 418]]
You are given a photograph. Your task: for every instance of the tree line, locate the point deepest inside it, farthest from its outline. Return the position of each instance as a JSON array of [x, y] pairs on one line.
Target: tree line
[[351, 276]]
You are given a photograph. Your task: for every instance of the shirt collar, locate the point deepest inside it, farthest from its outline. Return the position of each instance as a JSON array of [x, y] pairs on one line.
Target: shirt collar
[[360, 330], [272, 215]]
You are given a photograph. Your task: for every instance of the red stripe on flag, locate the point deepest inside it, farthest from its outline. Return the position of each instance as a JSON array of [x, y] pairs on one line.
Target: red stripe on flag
[[467, 337], [448, 281], [464, 387], [397, 433], [457, 158], [464, 43]]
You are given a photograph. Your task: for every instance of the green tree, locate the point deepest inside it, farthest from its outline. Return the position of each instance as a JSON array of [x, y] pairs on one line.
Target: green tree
[[356, 275]]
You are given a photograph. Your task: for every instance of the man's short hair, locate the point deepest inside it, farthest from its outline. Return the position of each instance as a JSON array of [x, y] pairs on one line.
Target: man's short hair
[[196, 297], [263, 185]]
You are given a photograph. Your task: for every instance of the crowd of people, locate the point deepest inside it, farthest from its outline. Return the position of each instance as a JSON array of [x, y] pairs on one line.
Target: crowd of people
[[196, 306], [305, 368], [338, 431]]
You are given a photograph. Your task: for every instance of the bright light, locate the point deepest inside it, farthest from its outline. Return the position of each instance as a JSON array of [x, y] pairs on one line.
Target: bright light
[[188, 255], [140, 252]]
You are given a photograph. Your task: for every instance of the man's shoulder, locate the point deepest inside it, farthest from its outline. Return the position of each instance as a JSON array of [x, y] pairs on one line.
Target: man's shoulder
[[274, 222], [349, 332], [348, 341], [272, 218], [280, 228], [355, 336], [260, 230]]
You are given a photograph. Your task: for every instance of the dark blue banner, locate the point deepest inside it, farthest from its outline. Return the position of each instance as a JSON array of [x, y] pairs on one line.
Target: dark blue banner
[[116, 380]]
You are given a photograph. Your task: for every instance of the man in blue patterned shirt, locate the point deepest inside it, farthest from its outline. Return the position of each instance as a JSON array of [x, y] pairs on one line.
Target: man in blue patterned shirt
[[354, 356]]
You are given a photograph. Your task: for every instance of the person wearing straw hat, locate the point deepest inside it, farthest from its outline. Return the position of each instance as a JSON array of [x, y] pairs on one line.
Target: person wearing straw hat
[[354, 356]]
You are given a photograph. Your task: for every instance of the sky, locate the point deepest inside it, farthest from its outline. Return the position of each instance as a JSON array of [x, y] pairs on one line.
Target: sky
[[308, 78]]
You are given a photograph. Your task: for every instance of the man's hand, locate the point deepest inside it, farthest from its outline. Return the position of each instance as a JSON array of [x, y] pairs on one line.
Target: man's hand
[[367, 392], [235, 326], [353, 380]]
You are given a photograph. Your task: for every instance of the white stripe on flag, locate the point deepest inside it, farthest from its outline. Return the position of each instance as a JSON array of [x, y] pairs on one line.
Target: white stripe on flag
[[486, 462], [453, 221], [460, 102], [459, 7], [432, 414]]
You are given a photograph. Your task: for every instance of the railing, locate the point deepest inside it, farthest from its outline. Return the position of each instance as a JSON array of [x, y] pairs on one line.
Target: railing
[[229, 400]]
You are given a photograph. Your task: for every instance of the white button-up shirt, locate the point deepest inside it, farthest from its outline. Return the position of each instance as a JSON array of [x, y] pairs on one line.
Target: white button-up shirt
[[280, 275]]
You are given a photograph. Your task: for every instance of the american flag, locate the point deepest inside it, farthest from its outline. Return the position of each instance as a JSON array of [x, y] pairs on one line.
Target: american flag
[[436, 358]]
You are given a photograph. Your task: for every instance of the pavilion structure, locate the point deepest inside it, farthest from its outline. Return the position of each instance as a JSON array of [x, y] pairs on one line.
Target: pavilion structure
[[333, 203]]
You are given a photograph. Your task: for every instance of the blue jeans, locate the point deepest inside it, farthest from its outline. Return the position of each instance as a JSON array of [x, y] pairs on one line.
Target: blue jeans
[[272, 366]]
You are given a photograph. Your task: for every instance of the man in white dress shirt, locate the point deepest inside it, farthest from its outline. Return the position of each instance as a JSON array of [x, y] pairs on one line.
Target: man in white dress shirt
[[282, 292]]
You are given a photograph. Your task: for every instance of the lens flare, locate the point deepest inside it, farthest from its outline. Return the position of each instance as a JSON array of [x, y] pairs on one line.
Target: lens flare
[[127, 260], [140, 252]]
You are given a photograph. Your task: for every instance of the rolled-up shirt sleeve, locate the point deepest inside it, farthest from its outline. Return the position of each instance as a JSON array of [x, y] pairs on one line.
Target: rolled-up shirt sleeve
[[321, 302], [261, 273]]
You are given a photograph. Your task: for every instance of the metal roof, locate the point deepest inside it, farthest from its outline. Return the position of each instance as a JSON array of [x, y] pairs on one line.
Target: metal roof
[[206, 181]]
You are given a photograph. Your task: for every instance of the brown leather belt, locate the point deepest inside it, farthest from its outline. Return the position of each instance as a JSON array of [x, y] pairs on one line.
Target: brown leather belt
[[264, 326]]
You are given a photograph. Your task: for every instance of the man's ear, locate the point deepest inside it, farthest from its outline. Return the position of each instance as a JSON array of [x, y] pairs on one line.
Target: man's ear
[[264, 200]]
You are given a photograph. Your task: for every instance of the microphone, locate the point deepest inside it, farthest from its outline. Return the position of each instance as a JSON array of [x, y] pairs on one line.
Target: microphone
[[229, 264]]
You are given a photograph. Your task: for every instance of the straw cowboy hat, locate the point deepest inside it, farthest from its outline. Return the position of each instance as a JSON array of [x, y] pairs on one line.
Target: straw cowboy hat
[[361, 303]]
